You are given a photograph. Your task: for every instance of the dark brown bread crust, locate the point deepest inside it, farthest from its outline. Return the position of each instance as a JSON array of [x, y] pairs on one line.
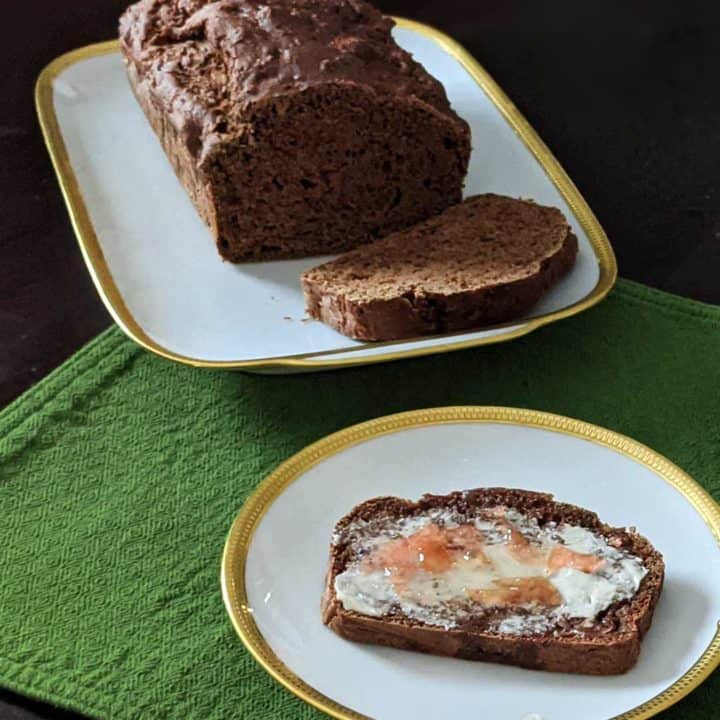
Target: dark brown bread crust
[[416, 312], [296, 126], [596, 653]]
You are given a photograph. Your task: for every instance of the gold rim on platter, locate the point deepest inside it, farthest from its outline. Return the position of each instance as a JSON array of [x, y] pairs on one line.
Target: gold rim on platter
[[239, 539], [113, 299]]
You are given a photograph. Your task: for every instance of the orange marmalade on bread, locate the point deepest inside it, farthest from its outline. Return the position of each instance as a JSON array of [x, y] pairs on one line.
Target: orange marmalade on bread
[[442, 568]]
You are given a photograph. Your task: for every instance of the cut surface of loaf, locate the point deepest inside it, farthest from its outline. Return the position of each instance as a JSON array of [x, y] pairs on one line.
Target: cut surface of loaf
[[493, 574], [484, 261], [297, 127]]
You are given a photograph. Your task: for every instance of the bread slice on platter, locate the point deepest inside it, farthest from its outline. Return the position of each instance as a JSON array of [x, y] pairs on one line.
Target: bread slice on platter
[[507, 576], [485, 261]]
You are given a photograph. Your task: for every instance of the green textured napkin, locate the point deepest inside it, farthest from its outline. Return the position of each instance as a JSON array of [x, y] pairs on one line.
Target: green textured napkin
[[120, 475]]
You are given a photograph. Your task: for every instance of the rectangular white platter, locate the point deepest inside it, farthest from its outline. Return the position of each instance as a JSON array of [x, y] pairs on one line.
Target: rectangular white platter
[[154, 263]]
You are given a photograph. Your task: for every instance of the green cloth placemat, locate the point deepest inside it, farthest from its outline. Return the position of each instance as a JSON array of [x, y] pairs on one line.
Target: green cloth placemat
[[121, 473]]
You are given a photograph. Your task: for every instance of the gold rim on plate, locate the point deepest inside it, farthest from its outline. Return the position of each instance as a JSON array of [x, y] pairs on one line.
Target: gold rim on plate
[[238, 542], [113, 299]]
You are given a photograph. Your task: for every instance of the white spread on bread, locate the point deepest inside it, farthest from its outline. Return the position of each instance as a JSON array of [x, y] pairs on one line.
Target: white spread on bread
[[439, 568]]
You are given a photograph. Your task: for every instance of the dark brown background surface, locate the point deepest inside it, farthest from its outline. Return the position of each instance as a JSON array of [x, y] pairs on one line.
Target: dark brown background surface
[[625, 93]]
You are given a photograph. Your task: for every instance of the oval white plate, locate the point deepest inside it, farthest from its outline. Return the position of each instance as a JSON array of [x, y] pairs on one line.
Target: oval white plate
[[276, 555]]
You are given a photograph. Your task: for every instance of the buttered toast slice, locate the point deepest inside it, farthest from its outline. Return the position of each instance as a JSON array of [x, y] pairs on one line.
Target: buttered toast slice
[[493, 574]]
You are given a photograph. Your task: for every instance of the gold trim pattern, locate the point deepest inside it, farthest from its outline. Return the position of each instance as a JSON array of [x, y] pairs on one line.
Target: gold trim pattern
[[113, 300], [238, 542]]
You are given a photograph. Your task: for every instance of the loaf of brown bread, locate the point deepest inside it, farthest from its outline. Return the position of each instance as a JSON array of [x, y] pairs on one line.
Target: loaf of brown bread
[[508, 576], [485, 261], [297, 127]]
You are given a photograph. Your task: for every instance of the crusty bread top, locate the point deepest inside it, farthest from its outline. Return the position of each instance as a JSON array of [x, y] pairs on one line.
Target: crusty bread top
[[622, 618], [209, 61], [484, 241]]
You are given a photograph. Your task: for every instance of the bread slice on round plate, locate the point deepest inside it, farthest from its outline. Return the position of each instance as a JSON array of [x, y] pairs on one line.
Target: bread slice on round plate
[[493, 574], [484, 261]]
